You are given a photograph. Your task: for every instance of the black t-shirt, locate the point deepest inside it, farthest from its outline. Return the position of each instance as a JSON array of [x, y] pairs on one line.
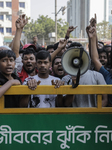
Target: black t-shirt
[[11, 101]]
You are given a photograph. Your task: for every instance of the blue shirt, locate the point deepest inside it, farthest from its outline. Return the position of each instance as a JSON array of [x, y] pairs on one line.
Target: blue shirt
[[108, 78], [107, 75]]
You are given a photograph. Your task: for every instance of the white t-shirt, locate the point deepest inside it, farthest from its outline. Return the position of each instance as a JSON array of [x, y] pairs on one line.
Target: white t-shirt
[[19, 64], [42, 101]]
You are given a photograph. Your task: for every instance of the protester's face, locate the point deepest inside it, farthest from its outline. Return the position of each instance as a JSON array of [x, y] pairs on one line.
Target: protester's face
[[57, 68], [35, 39], [51, 50], [7, 65], [29, 62], [43, 66], [103, 58]]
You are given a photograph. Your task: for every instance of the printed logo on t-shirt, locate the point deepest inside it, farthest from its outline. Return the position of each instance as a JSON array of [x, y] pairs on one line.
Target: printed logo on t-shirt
[[39, 101]]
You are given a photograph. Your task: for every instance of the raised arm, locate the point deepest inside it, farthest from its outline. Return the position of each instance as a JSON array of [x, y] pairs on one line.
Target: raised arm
[[62, 43], [20, 23], [93, 22], [69, 30], [94, 53]]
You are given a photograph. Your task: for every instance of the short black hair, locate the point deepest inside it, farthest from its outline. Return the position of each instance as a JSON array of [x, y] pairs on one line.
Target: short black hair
[[50, 46], [21, 51], [69, 41], [43, 54], [101, 51], [40, 48], [75, 44], [29, 51], [55, 59], [7, 53]]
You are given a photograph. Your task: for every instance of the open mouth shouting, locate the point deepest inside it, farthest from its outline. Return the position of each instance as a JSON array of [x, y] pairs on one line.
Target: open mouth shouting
[[29, 66], [60, 70], [9, 69]]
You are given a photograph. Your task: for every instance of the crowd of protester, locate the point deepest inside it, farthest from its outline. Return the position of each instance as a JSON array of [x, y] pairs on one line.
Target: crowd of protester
[[33, 65]]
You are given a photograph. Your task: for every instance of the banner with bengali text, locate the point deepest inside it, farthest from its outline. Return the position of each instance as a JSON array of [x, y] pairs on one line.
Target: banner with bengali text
[[55, 131]]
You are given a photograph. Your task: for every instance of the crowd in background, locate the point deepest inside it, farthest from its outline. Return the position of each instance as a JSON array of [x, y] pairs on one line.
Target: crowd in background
[[33, 65]]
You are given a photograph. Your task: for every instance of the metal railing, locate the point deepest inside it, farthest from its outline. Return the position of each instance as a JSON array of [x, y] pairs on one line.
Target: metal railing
[[66, 89]]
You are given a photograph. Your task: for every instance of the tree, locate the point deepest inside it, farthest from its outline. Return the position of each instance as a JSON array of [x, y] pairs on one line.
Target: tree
[[61, 28], [43, 26], [103, 30]]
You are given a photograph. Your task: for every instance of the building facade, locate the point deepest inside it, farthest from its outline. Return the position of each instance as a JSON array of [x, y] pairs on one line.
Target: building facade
[[9, 12], [108, 11], [78, 14], [109, 5]]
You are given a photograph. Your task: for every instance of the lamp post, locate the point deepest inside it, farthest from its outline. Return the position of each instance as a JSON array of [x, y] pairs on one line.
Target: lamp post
[[55, 20], [56, 13]]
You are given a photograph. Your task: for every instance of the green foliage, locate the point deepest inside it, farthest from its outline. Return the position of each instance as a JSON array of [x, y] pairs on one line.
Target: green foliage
[[61, 28], [104, 30], [43, 26]]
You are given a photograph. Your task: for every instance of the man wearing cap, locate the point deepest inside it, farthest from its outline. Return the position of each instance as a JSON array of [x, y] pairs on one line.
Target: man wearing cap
[[29, 64], [29, 45], [25, 66]]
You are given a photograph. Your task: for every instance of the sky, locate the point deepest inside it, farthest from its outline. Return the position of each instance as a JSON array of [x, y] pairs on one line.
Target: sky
[[47, 7], [97, 6]]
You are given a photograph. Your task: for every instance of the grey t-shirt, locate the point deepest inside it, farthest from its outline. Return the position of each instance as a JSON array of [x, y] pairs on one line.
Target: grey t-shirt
[[89, 78]]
